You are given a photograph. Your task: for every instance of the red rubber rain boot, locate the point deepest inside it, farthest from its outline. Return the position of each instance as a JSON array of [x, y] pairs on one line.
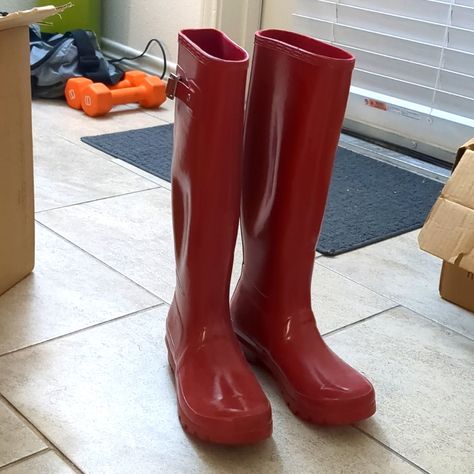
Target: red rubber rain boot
[[219, 398], [297, 97]]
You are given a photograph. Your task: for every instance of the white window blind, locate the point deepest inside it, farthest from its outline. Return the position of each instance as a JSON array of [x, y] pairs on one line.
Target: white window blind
[[419, 51]]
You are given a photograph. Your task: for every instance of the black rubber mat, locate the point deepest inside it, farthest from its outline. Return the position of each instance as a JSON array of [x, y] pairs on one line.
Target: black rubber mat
[[150, 149], [369, 200]]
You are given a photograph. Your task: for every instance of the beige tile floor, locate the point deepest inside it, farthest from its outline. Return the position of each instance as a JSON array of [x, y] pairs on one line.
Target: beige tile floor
[[84, 381]]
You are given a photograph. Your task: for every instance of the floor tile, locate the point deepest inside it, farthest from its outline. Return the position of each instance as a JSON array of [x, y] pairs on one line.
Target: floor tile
[[132, 234], [337, 301], [68, 290], [238, 258], [422, 373], [398, 269], [68, 174], [55, 117], [46, 463], [165, 112], [105, 397], [163, 183], [17, 440]]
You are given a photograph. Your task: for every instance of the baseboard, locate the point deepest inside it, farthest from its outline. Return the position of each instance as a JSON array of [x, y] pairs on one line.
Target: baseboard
[[149, 63]]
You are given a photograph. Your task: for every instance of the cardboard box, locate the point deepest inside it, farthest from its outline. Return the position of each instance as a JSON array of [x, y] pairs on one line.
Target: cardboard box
[[16, 155], [448, 232]]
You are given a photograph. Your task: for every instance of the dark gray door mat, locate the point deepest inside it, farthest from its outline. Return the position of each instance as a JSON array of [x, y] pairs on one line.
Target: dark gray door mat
[[369, 200]]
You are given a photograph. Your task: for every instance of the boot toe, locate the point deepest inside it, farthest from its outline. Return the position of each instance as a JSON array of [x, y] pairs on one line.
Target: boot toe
[[228, 420], [336, 404], [221, 401]]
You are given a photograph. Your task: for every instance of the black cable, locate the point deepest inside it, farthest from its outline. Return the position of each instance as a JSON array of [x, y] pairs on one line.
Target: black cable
[[147, 47]]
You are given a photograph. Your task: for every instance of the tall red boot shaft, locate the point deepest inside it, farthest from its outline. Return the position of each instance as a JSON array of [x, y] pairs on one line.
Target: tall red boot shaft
[[219, 398], [297, 98]]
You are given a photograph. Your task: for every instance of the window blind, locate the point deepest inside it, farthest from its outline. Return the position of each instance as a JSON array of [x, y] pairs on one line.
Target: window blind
[[420, 51]]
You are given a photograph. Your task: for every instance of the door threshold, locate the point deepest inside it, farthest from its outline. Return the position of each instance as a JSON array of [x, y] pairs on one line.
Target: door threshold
[[396, 158]]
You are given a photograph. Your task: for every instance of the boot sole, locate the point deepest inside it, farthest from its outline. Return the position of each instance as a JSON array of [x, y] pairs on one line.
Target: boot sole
[[224, 434], [324, 412]]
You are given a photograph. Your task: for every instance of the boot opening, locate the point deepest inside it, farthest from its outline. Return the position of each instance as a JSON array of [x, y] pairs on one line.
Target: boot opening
[[214, 43], [310, 45]]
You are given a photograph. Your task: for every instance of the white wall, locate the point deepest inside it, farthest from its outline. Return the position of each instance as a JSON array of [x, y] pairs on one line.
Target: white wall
[[277, 14], [16, 5], [127, 25], [134, 22], [240, 19]]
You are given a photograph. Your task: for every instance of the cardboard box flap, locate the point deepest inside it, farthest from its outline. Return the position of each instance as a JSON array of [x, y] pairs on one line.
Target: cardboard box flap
[[467, 146], [460, 187], [448, 232], [23, 18]]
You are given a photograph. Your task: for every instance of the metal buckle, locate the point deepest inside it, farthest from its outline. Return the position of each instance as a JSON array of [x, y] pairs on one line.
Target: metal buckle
[[171, 86]]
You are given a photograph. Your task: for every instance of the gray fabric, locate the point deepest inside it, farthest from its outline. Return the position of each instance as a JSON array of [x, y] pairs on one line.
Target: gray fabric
[[50, 78], [369, 201], [49, 75]]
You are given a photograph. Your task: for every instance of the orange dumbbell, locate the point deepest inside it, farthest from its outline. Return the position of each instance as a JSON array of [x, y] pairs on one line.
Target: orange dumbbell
[[76, 85], [148, 91]]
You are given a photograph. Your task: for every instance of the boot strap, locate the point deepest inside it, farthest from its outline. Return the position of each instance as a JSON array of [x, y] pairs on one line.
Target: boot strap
[[178, 87]]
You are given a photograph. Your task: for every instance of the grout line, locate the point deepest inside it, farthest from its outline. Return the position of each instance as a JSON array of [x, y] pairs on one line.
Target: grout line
[[321, 262], [25, 458], [41, 435], [84, 329], [102, 262], [363, 320], [86, 146], [388, 448], [438, 323], [153, 115], [111, 159], [167, 122], [157, 186], [98, 153], [124, 164], [396, 303], [320, 259]]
